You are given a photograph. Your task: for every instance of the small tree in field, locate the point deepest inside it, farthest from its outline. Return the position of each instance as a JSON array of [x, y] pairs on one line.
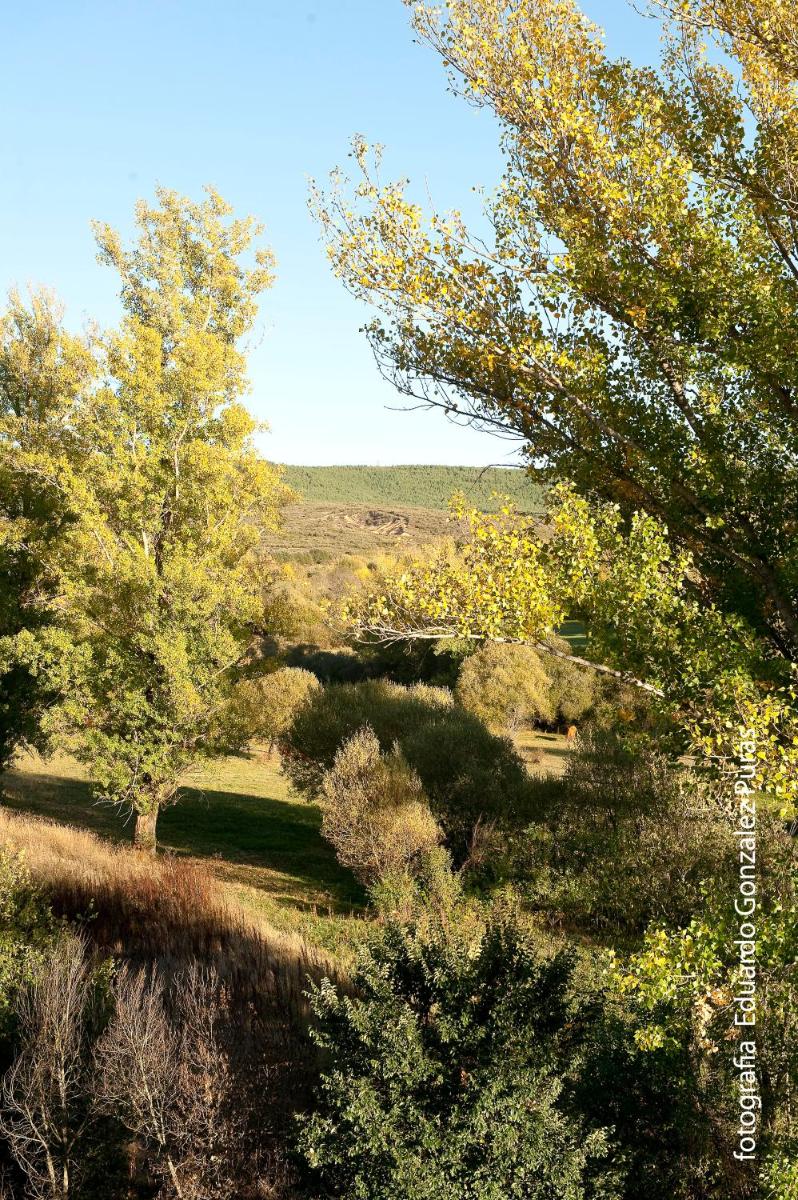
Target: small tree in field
[[505, 685], [158, 590]]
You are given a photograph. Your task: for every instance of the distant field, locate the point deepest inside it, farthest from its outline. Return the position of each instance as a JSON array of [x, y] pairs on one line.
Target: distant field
[[319, 531], [415, 486]]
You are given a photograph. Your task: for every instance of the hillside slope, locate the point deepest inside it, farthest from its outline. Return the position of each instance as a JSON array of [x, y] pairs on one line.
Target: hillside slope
[[415, 486]]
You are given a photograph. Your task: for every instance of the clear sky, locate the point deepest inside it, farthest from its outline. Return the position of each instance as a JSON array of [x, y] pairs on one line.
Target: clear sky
[[104, 99]]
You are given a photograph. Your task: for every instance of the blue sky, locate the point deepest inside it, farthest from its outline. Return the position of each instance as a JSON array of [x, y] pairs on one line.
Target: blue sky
[[102, 101]]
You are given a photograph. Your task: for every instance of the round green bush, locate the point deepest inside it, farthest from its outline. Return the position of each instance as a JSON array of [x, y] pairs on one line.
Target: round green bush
[[505, 686]]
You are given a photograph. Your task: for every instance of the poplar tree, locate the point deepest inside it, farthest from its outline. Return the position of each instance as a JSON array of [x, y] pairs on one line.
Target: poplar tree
[[632, 316], [157, 585]]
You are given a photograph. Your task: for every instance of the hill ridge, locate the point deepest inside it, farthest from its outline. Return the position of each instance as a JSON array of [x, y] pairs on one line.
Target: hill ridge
[[414, 485]]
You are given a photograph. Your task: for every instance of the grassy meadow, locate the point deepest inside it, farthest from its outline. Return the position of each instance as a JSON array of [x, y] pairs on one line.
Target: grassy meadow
[[243, 825], [239, 820]]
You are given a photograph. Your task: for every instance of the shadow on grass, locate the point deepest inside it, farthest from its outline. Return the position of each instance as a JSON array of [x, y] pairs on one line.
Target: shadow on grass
[[258, 841], [265, 835], [556, 751]]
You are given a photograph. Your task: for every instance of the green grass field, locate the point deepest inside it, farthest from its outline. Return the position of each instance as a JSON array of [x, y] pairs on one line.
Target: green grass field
[[415, 486], [241, 819]]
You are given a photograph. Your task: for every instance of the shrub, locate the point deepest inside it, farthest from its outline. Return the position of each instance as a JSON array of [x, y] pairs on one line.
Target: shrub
[[47, 1114], [624, 837], [505, 686], [265, 707], [573, 690], [27, 930], [164, 1067], [442, 1083], [375, 812], [466, 771]]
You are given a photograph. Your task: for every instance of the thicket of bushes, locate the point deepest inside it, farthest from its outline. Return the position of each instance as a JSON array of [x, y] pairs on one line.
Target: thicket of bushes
[[468, 774], [132, 982], [474, 1063], [623, 838]]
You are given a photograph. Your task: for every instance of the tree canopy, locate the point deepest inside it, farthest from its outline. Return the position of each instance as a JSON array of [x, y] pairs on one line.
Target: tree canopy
[[632, 317]]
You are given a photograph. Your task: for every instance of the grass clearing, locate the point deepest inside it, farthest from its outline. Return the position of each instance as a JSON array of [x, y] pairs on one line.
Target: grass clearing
[[240, 819], [543, 753], [242, 822]]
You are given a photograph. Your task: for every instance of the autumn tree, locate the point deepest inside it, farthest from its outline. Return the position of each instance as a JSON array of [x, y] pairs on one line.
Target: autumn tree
[[158, 586], [632, 318]]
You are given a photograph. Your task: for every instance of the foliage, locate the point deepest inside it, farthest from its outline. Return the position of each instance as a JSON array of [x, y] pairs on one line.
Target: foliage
[[468, 773], [158, 591], [631, 316], [42, 370], [686, 979], [375, 812], [418, 486], [780, 1177], [27, 929], [505, 686], [265, 707], [624, 838], [713, 675], [443, 1078], [576, 691], [690, 985]]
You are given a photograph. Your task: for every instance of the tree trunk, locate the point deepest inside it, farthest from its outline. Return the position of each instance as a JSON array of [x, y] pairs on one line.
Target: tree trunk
[[144, 832]]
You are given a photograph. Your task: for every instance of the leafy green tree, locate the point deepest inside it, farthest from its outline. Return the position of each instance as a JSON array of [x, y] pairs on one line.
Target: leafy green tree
[[43, 370], [159, 586]]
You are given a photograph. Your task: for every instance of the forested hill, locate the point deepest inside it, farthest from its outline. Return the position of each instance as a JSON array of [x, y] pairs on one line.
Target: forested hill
[[415, 486]]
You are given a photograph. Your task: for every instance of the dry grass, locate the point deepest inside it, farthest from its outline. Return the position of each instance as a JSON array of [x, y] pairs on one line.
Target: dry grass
[[543, 753], [240, 820], [318, 531], [166, 911]]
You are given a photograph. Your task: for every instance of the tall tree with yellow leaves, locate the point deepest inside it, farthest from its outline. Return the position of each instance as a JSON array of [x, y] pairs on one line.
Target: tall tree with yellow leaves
[[158, 588], [633, 319]]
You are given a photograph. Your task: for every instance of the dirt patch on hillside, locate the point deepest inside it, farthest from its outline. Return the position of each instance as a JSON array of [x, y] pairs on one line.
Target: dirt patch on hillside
[[389, 524], [337, 529]]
